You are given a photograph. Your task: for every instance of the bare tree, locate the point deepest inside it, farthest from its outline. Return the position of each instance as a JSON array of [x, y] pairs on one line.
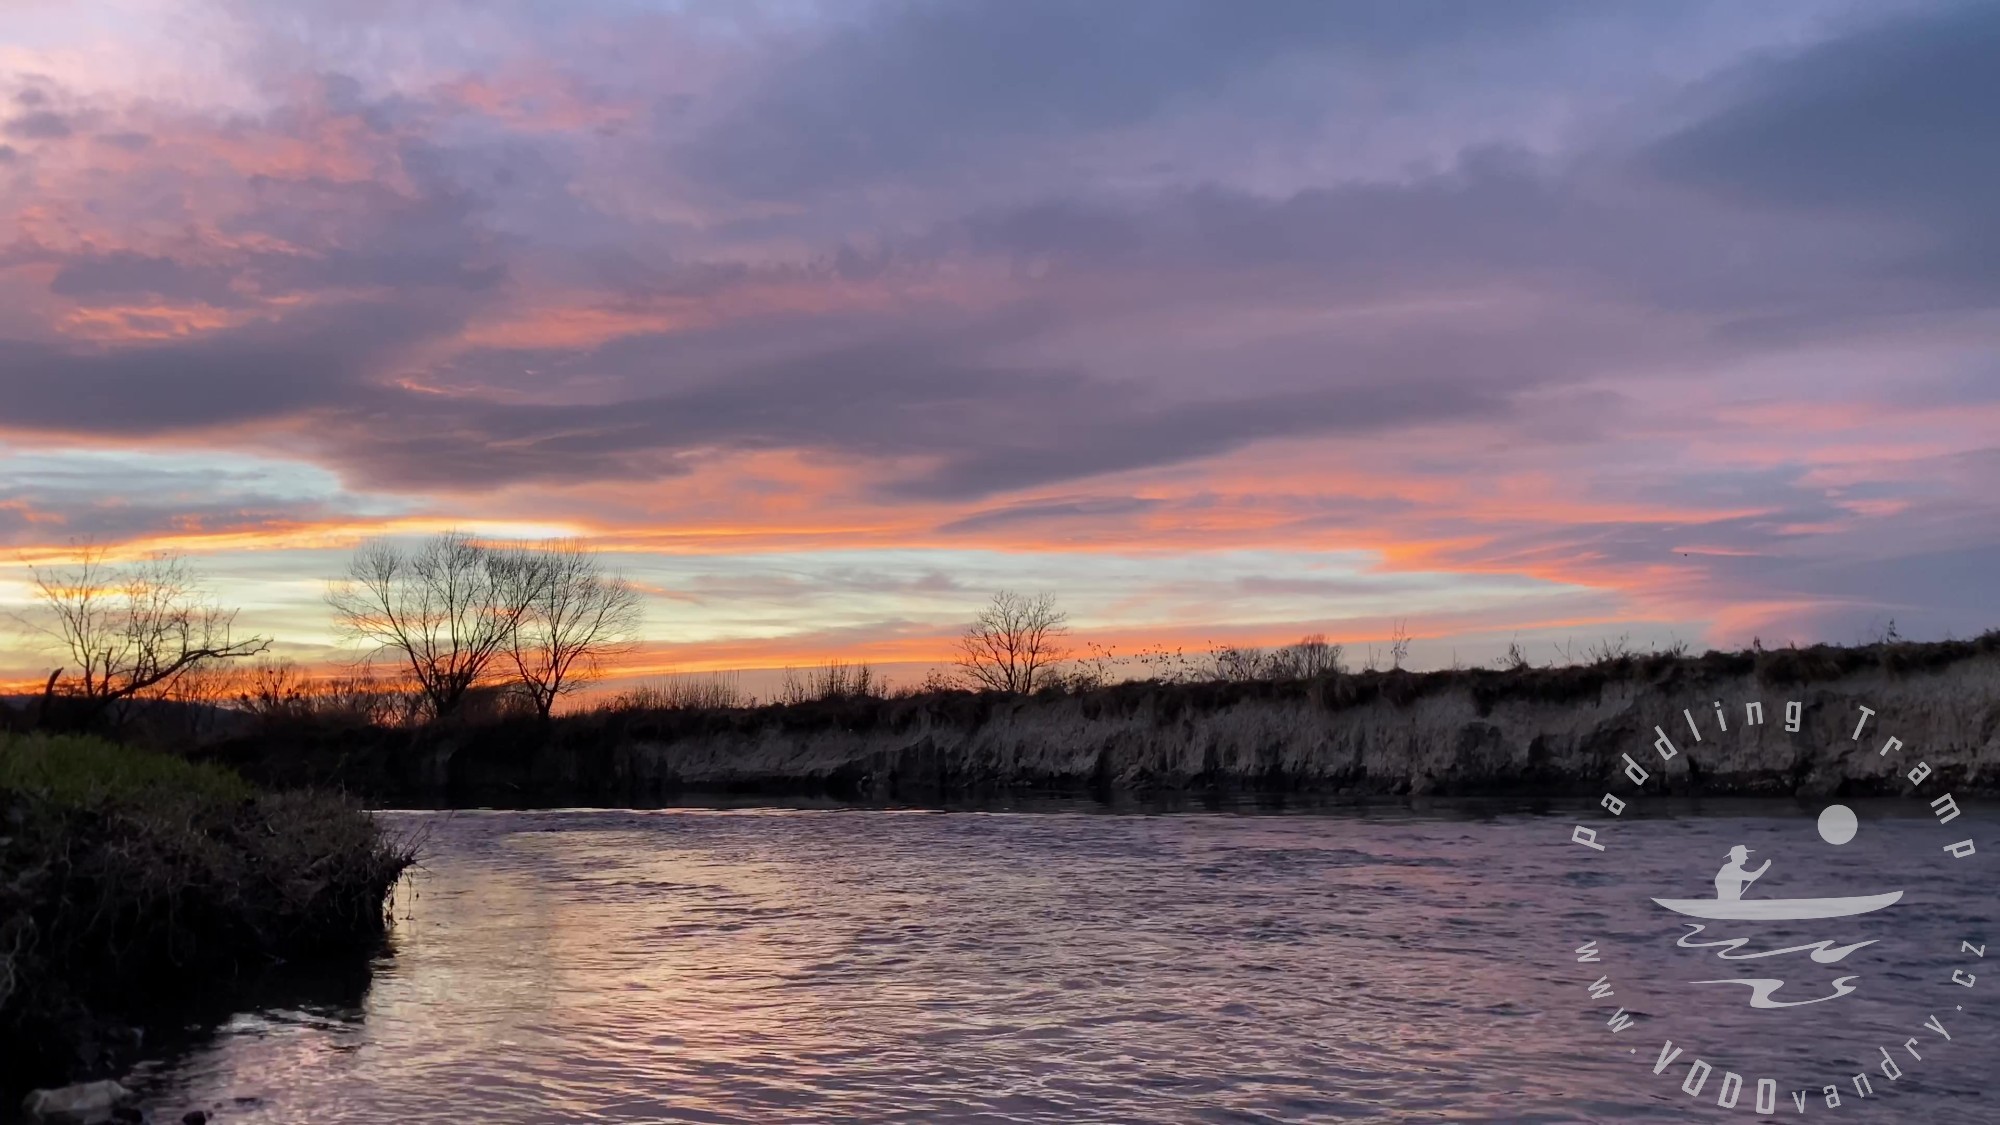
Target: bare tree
[[359, 697], [1236, 664], [1309, 656], [133, 631], [577, 618], [278, 691], [1399, 644], [1014, 644], [274, 689], [449, 609]]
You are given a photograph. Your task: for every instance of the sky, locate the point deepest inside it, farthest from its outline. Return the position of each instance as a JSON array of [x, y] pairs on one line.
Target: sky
[[1221, 322]]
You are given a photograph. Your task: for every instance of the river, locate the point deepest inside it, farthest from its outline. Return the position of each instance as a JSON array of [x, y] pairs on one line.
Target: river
[[1075, 966]]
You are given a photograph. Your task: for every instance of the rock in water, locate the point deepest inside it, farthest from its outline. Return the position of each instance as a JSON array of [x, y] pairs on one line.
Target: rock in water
[[86, 1101], [194, 1117]]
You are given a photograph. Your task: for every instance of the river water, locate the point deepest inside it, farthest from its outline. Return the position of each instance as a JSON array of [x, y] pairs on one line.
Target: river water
[[913, 966]]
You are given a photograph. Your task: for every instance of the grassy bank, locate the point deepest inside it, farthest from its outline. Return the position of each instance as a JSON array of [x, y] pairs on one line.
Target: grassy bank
[[131, 879], [1522, 729]]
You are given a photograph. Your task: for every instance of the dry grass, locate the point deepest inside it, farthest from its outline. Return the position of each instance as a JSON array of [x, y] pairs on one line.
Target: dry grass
[[687, 692]]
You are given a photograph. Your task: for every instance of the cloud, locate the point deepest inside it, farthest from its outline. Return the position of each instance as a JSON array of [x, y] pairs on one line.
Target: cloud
[[261, 372], [1925, 594], [1432, 281], [912, 87], [1044, 512], [976, 429], [1497, 217], [1065, 440], [124, 273], [52, 498], [942, 408], [1889, 126], [39, 125]]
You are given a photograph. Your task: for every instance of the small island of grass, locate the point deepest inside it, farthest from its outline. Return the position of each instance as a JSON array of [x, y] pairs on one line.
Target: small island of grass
[[132, 880]]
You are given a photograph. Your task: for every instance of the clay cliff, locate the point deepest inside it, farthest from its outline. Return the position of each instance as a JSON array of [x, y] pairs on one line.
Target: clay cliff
[[1550, 732]]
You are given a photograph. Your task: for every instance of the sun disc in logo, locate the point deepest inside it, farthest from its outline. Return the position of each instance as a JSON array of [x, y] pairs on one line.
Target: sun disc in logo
[[1838, 825]]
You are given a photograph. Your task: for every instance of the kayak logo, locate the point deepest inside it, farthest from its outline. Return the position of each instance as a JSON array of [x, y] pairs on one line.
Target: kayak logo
[[1783, 944], [1837, 826]]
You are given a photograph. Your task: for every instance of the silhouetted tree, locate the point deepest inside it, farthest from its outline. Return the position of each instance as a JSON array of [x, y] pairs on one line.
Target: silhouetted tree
[[448, 609], [274, 689], [132, 631], [576, 617], [1014, 644], [1231, 663], [1310, 656]]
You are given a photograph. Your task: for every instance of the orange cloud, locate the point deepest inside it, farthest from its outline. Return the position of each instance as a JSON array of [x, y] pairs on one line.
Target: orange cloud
[[134, 323]]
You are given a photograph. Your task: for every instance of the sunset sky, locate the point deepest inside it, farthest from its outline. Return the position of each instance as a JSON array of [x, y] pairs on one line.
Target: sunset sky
[[1221, 322]]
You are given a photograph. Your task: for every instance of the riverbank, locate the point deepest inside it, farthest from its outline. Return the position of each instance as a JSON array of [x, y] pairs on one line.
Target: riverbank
[[1534, 732], [134, 883]]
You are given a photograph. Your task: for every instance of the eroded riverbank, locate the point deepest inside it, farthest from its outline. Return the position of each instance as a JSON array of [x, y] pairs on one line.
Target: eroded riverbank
[[1533, 732]]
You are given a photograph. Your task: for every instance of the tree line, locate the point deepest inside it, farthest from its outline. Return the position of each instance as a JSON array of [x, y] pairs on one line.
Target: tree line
[[454, 611], [458, 619], [452, 615]]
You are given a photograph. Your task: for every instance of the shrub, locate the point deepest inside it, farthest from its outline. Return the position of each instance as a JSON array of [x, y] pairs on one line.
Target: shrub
[[837, 681], [129, 876]]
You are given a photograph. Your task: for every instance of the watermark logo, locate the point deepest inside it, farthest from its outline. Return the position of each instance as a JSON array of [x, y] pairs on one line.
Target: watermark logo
[[1771, 952]]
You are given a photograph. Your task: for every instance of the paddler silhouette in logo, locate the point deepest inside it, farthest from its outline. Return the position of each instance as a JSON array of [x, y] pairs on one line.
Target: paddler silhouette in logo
[[1733, 879], [1837, 826]]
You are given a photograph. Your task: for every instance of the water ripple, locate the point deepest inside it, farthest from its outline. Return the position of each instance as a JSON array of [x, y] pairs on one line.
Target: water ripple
[[706, 966]]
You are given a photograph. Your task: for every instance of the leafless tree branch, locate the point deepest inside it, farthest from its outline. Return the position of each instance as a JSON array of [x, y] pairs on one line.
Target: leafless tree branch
[[447, 609], [134, 631], [577, 618], [1014, 644]]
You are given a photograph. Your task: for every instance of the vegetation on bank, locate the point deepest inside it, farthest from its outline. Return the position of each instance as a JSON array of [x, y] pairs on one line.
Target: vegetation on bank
[[1238, 675], [474, 644], [468, 633], [130, 878], [499, 756]]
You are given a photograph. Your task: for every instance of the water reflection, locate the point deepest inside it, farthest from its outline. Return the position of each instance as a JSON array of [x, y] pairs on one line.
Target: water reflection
[[885, 965]]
